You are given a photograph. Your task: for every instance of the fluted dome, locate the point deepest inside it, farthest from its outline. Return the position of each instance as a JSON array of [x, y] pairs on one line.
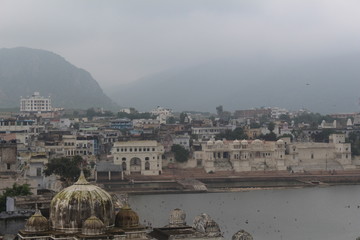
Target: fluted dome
[[280, 141], [37, 223], [242, 235], [244, 142], [236, 141], [177, 217], [73, 205], [93, 226], [126, 218]]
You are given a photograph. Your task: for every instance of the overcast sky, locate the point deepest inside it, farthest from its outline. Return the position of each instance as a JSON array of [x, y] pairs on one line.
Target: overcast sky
[[120, 41]]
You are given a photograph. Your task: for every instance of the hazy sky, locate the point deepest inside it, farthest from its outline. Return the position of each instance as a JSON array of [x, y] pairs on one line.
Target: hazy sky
[[120, 41]]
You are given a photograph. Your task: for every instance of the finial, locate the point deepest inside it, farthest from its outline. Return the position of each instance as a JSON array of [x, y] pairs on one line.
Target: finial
[[82, 180]]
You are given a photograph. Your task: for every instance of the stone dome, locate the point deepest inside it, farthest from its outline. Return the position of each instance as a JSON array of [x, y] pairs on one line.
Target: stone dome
[[177, 217], [93, 226], [210, 142], [280, 141], [218, 142], [242, 235], [236, 141], [126, 218], [257, 141], [205, 224], [244, 142], [37, 223], [73, 205]]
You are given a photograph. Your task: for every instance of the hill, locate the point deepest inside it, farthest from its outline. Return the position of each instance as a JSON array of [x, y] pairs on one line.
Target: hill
[[325, 85], [24, 71]]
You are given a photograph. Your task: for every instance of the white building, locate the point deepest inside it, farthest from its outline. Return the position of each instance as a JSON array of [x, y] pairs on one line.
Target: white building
[[162, 114], [35, 104], [260, 155], [144, 157]]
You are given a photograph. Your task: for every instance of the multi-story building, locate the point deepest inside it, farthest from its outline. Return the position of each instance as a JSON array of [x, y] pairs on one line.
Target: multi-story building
[[205, 133], [275, 155], [35, 104], [144, 157]]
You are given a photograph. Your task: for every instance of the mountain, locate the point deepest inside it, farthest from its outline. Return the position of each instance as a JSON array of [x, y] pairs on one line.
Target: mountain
[[24, 71], [324, 84]]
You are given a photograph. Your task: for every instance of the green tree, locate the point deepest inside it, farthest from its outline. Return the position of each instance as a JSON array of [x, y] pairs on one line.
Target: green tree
[[68, 169], [170, 120], [16, 190], [271, 126], [181, 154], [268, 137], [183, 116], [238, 133]]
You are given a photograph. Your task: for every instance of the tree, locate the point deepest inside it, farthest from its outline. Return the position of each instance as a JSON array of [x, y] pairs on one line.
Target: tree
[[238, 133], [268, 137], [181, 154], [183, 116], [16, 190], [271, 126], [68, 169], [171, 120], [219, 110]]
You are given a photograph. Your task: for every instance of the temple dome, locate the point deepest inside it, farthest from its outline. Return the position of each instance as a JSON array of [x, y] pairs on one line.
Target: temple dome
[[73, 205], [205, 224], [37, 223], [177, 217], [93, 226], [126, 218], [242, 235], [244, 142]]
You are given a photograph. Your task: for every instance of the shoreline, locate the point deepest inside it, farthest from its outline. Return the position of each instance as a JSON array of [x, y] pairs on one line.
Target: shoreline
[[230, 183]]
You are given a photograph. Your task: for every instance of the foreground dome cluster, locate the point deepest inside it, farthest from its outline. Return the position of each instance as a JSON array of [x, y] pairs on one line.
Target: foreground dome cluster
[[85, 211]]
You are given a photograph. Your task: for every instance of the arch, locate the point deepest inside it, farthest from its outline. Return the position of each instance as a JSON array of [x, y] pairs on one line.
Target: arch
[[135, 164]]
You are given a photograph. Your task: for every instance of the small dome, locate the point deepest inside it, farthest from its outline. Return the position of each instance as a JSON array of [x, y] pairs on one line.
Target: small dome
[[236, 141], [257, 141], [210, 142], [93, 226], [126, 218], [219, 142], [244, 142], [205, 224], [280, 141], [37, 223], [242, 235], [177, 217]]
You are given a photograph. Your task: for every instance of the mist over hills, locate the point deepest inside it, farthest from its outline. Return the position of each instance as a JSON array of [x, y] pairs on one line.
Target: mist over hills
[[325, 85], [25, 70]]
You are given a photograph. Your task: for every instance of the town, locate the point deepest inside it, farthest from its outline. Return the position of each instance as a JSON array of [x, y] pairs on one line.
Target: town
[[44, 149]]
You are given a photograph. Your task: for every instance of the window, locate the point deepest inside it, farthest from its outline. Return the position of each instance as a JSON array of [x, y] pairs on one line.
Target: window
[[123, 165], [8, 166], [38, 172], [147, 166]]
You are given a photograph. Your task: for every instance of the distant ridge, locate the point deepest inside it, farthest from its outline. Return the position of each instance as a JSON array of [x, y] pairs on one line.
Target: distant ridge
[[324, 84], [25, 70]]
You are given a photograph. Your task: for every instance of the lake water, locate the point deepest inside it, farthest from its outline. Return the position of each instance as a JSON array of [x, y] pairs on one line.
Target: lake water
[[321, 213]]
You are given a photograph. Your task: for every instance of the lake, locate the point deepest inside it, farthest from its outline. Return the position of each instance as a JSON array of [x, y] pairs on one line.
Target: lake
[[319, 213]]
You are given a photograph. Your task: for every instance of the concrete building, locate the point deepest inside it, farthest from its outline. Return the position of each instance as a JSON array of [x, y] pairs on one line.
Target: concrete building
[[35, 104], [205, 133], [139, 157]]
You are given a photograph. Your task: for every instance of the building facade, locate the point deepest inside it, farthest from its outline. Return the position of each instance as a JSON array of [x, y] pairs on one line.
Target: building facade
[[141, 157], [35, 104], [258, 155]]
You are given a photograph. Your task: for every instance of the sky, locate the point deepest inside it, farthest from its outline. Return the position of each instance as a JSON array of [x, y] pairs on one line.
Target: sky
[[120, 41]]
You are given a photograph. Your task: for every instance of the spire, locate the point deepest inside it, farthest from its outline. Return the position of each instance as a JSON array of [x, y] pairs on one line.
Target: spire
[[81, 180]]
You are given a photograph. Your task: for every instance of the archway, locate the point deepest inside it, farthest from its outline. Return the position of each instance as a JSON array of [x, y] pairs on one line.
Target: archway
[[135, 165]]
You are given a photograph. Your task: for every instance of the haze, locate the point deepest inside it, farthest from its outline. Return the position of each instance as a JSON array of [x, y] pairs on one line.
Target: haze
[[120, 42]]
